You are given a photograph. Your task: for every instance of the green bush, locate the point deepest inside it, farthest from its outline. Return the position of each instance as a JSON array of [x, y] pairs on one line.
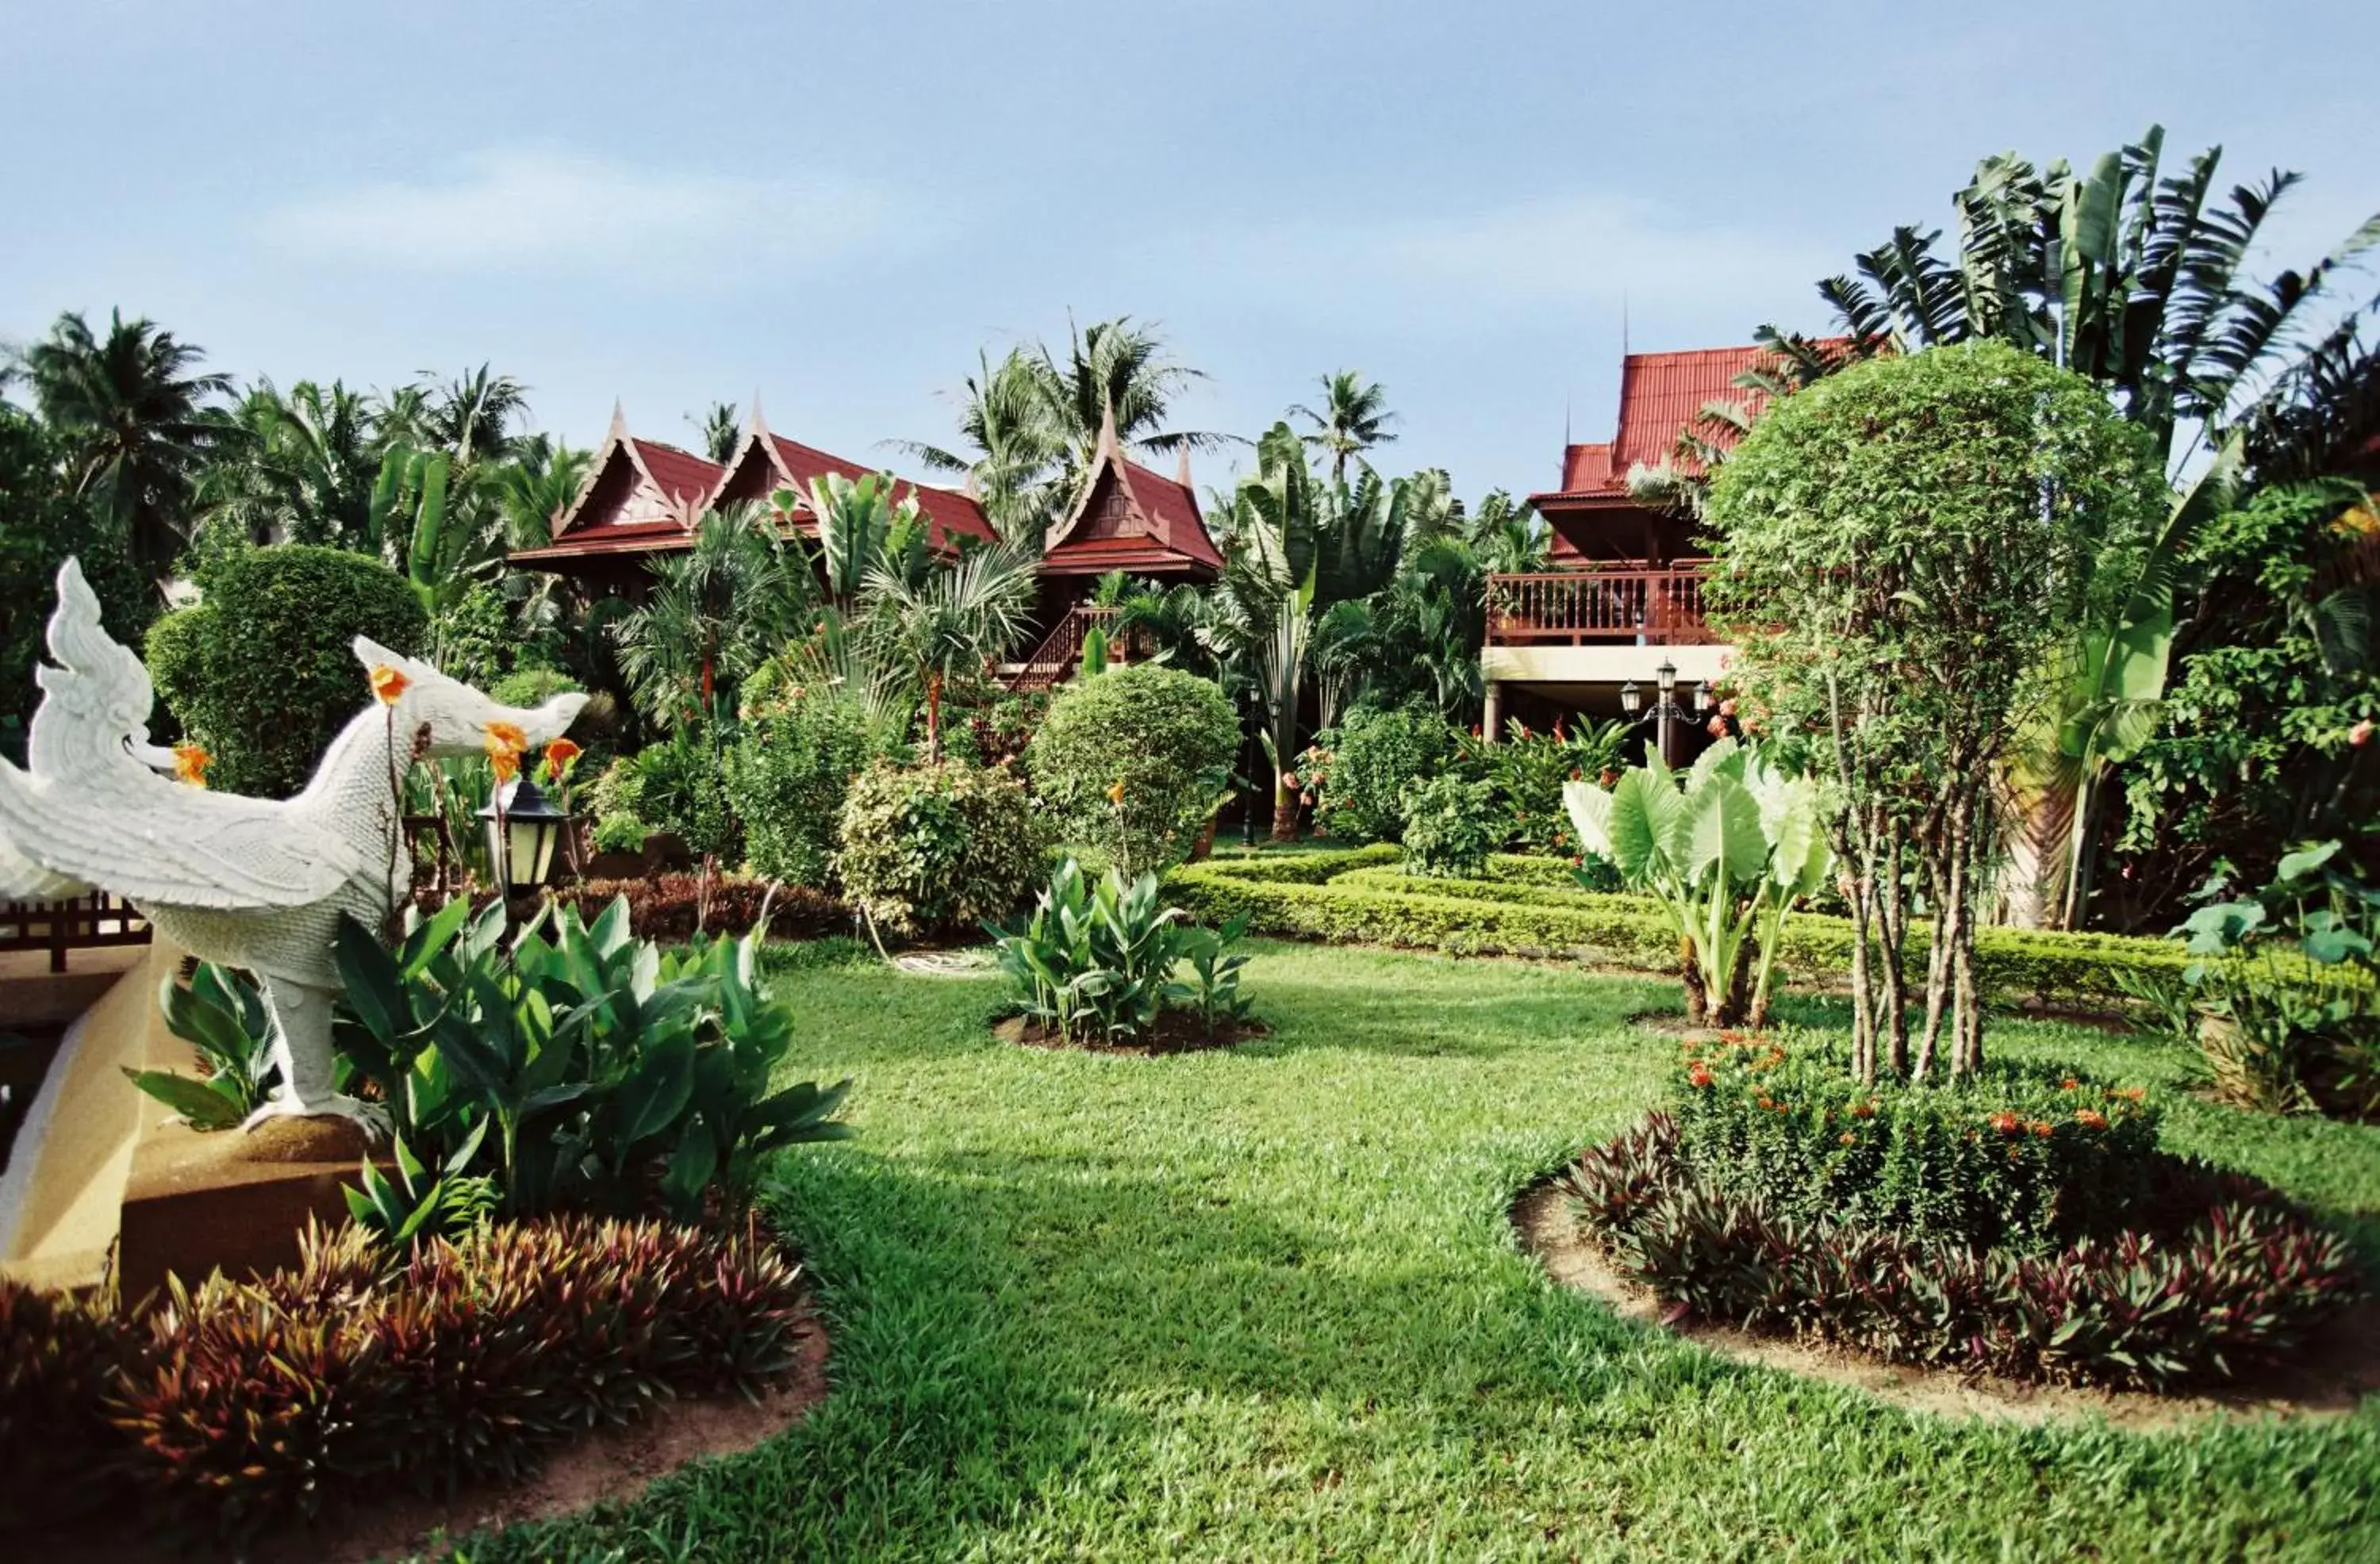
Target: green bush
[[1303, 896], [1133, 761], [2021, 1156], [1098, 962], [1450, 825], [787, 779], [260, 670], [2212, 1273], [1529, 770], [1370, 761], [531, 686], [678, 785], [42, 524], [615, 1076], [939, 847]]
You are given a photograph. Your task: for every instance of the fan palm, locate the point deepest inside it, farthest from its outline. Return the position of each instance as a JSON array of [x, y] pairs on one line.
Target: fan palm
[[1354, 418], [716, 612], [137, 420], [949, 624]]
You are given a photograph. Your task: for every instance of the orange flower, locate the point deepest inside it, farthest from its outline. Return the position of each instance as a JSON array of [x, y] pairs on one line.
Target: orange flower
[[2068, 1083], [559, 757], [1115, 792], [190, 763], [1863, 1110], [388, 683], [2006, 1122], [1698, 1076], [2041, 1128], [504, 762], [1849, 1138], [507, 734], [2091, 1119]]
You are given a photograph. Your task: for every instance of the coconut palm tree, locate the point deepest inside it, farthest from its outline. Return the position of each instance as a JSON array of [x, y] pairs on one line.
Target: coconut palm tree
[[301, 470], [948, 624], [1114, 368], [723, 430], [717, 612], [536, 486], [1013, 446], [1354, 418], [136, 418]]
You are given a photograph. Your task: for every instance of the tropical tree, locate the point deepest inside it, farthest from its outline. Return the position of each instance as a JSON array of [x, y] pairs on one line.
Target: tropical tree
[[863, 529], [136, 418], [1011, 446], [471, 417], [537, 486], [1120, 370], [717, 612], [301, 468], [949, 623], [1354, 418], [1899, 551], [723, 430]]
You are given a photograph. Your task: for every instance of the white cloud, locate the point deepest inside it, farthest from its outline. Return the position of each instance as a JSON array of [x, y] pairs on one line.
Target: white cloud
[[1564, 252], [544, 210]]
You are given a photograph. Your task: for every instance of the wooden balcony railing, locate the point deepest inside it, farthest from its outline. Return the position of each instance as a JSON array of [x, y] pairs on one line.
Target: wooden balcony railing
[[79, 923], [1600, 606], [1054, 658]]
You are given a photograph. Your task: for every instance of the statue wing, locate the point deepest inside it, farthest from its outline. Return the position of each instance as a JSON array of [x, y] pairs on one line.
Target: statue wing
[[146, 839], [21, 879]]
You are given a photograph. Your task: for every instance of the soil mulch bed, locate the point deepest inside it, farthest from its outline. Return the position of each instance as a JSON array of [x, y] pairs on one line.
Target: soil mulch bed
[[609, 1464], [1176, 1032], [2340, 1366]]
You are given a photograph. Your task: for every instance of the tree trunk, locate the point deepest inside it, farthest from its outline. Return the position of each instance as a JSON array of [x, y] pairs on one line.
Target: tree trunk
[[933, 718], [1284, 813], [2038, 828], [1698, 1010]]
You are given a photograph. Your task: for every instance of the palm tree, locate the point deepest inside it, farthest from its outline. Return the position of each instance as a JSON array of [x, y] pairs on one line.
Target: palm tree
[[863, 530], [949, 624], [723, 430], [1354, 418], [1013, 446], [1116, 368], [136, 422], [717, 612], [536, 486], [300, 470]]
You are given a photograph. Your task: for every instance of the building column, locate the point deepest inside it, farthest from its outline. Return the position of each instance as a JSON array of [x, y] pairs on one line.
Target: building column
[[1492, 728]]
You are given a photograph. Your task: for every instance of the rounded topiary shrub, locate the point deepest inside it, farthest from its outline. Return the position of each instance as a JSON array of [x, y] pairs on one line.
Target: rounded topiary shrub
[[1372, 759], [938, 847], [1133, 761], [260, 670], [788, 778]]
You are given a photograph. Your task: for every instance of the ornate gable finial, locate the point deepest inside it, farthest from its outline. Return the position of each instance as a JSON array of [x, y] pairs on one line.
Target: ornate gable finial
[[619, 430], [1109, 444], [754, 424], [1182, 468]]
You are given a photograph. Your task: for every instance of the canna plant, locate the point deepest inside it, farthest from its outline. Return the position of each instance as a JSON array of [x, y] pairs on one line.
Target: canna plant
[[222, 1015], [1096, 962], [1726, 850]]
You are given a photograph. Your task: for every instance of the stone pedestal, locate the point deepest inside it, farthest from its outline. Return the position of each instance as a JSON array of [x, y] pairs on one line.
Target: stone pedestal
[[231, 1200]]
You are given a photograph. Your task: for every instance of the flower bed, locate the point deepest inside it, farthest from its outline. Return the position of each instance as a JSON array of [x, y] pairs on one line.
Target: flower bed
[[250, 1404], [1520, 909], [2017, 1226]]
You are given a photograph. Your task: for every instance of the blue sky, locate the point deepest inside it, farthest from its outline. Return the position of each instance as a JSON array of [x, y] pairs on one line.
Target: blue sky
[[677, 204]]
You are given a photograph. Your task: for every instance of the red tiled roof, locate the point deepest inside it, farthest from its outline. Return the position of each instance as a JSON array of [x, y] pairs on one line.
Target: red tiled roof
[[1159, 529], [1660, 393], [1173, 510], [946, 512], [682, 475]]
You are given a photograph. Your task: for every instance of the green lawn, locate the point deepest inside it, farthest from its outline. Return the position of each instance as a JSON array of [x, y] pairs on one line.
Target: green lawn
[[1264, 1306]]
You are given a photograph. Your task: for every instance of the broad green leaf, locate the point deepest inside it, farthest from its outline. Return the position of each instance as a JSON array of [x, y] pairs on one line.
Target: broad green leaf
[[202, 1104]]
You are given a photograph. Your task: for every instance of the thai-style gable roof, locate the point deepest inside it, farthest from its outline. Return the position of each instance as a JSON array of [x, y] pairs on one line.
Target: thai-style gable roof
[[1660, 393], [766, 462], [1131, 519], [638, 495]]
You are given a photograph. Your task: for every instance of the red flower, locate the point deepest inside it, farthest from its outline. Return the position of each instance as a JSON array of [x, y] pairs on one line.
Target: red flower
[[2091, 1119], [1698, 1077], [1849, 1138], [2041, 1128], [2068, 1083], [2360, 734], [1863, 1110], [2006, 1122]]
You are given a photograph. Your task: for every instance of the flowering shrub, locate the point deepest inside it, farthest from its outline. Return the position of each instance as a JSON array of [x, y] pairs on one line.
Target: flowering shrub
[[1450, 825], [2214, 1273], [243, 1405], [1368, 763], [2015, 1157], [1528, 771]]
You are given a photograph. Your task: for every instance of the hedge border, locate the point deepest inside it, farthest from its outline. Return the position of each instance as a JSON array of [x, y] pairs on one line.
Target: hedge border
[[1352, 898]]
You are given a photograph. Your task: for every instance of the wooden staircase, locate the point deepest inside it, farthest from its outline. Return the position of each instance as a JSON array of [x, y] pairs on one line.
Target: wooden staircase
[[1054, 661]]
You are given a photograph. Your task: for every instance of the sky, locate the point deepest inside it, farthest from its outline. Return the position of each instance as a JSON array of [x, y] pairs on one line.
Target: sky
[[837, 207]]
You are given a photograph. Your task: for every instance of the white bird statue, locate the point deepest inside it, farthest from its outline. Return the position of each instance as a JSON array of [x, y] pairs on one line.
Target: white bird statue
[[248, 882]]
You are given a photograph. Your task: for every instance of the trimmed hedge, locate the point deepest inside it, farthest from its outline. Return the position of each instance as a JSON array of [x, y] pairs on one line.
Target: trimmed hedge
[[1316, 896], [260, 670]]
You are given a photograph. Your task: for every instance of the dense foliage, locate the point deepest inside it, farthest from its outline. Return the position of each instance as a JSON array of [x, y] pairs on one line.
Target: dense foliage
[[787, 777], [582, 1068], [1451, 824], [1367, 763], [244, 1405], [938, 847], [261, 672], [1133, 761]]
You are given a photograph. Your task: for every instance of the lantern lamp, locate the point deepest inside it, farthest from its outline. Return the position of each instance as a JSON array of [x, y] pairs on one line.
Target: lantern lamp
[[523, 828], [1701, 697], [1631, 700], [1668, 675]]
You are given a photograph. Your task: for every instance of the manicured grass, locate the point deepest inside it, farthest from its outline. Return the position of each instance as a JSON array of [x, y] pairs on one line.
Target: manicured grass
[[1265, 1305]]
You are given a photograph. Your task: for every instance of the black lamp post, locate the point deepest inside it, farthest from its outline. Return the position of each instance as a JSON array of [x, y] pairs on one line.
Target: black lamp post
[[1666, 712], [524, 830]]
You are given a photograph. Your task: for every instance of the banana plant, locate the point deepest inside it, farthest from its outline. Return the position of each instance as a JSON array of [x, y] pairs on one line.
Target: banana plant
[[1724, 850]]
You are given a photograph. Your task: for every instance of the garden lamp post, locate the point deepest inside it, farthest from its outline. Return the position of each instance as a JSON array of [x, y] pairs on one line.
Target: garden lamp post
[[523, 828], [1666, 712]]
